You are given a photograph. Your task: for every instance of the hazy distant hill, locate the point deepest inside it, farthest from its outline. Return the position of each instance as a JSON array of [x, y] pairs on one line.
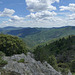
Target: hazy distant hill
[[48, 34], [24, 32], [8, 29], [11, 28], [34, 36]]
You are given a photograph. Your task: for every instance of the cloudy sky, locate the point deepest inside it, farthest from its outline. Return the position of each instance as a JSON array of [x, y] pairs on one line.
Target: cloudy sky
[[37, 13]]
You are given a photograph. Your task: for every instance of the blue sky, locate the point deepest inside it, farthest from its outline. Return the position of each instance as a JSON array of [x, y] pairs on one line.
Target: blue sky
[[37, 13]]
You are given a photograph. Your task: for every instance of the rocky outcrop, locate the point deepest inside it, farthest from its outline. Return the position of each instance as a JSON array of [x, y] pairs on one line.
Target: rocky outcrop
[[29, 67], [69, 73]]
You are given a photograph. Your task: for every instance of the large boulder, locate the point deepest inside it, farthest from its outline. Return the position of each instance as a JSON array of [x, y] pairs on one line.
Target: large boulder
[[29, 66]]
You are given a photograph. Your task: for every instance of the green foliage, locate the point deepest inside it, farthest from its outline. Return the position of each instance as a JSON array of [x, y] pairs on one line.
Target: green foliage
[[64, 68], [21, 61], [52, 61], [63, 65], [2, 54], [64, 71], [73, 65], [12, 45], [41, 54], [63, 49], [47, 34], [73, 74], [39, 35], [2, 62]]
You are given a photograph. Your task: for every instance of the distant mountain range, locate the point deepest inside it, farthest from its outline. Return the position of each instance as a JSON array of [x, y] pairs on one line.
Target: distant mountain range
[[9, 28], [34, 36]]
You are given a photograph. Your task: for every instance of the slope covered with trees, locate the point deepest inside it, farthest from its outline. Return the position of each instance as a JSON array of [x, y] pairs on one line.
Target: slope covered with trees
[[39, 35], [63, 50], [48, 34]]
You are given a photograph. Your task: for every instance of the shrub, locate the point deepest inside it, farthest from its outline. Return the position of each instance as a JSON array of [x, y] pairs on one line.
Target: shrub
[[21, 61], [63, 65], [73, 74], [64, 71], [2, 54], [12, 45], [72, 66], [53, 62], [2, 62]]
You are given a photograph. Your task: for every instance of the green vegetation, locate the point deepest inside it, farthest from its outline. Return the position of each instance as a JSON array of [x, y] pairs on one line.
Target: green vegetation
[[61, 51], [73, 74], [21, 61], [64, 68], [12, 45], [63, 65], [45, 35], [73, 65], [2, 54], [52, 61], [39, 35], [64, 71], [2, 62]]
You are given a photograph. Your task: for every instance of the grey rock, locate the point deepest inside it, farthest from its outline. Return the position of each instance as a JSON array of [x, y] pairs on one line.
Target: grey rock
[[29, 67], [69, 73]]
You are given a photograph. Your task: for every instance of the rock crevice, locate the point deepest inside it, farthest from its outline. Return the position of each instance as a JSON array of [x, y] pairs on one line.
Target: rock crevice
[[29, 67]]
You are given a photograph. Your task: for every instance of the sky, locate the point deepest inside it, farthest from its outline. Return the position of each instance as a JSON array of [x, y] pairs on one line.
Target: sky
[[37, 13]]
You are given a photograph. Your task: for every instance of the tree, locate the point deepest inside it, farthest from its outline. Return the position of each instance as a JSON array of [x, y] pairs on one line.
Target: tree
[[73, 65], [12, 45], [53, 62]]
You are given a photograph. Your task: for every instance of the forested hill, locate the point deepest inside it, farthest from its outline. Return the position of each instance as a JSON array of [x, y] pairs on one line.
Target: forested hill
[[47, 34], [24, 32], [63, 46], [63, 49], [34, 36]]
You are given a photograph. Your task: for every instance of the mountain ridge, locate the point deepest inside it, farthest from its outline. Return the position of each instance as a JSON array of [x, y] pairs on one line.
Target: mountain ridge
[[34, 36]]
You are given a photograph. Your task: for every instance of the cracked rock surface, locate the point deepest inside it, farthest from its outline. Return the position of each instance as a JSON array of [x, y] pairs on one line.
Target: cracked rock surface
[[29, 67]]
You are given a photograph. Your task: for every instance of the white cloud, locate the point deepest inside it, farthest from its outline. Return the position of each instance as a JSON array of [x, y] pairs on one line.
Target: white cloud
[[72, 16], [7, 13], [42, 15], [54, 22], [10, 13], [41, 9], [70, 7], [16, 18], [40, 5]]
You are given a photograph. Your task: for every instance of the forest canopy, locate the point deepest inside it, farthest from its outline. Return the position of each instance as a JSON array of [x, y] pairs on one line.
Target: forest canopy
[[12, 45]]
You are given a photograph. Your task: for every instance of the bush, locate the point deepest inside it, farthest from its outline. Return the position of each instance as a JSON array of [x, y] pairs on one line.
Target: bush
[[12, 45], [64, 68], [2, 62], [72, 66], [64, 71], [21, 61], [63, 65], [53, 62], [2, 54], [73, 74]]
